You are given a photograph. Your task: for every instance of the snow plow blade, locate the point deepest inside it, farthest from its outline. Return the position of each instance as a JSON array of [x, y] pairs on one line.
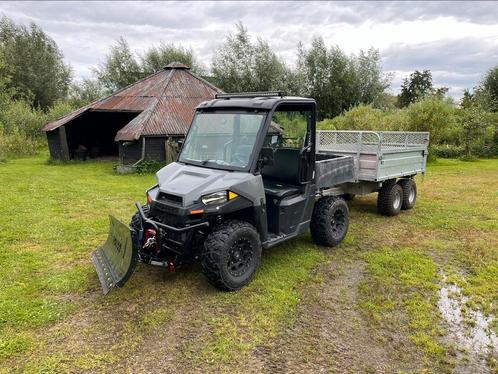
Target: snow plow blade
[[117, 258]]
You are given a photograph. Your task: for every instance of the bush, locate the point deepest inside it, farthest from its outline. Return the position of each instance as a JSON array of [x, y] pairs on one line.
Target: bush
[[149, 166], [60, 109], [17, 145], [20, 127], [447, 151], [434, 115], [365, 117], [19, 117]]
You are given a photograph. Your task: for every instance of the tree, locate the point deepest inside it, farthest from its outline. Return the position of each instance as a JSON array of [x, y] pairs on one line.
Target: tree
[[85, 92], [339, 82], [5, 76], [329, 78], [474, 121], [371, 81], [240, 65], [156, 58], [489, 88], [120, 67], [468, 99], [415, 88], [37, 68]]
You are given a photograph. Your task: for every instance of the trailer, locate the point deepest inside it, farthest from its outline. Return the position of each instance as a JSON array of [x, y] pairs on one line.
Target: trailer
[[221, 203], [372, 159]]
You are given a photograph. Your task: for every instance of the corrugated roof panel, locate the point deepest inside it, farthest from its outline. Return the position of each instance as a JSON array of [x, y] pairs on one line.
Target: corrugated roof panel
[[133, 130], [167, 100], [172, 115], [184, 84], [152, 86], [68, 117], [131, 103]]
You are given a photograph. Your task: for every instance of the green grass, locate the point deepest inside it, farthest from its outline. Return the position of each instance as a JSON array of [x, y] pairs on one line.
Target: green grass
[[406, 280], [53, 317], [51, 215]]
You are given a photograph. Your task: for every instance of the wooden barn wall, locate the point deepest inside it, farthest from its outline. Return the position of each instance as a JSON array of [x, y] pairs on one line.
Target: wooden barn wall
[[130, 152], [155, 150], [57, 144]]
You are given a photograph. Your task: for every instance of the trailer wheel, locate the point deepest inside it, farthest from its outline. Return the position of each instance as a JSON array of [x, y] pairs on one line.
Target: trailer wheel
[[330, 221], [232, 255], [390, 199], [409, 193]]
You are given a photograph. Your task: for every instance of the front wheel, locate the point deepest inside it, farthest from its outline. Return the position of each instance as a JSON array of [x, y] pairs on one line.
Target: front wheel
[[330, 221], [232, 255]]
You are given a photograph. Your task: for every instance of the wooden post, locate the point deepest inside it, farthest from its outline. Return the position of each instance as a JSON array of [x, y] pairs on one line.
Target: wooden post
[[63, 141]]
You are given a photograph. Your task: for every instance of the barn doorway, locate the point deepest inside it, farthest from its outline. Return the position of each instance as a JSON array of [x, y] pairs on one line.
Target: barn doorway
[[91, 135]]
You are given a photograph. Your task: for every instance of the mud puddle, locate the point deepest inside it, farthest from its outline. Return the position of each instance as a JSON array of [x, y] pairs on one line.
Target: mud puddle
[[468, 330]]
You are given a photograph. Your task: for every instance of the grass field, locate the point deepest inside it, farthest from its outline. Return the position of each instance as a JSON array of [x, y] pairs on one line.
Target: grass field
[[371, 305]]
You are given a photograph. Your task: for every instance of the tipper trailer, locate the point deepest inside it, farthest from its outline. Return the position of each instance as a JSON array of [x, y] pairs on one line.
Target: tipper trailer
[[253, 172]]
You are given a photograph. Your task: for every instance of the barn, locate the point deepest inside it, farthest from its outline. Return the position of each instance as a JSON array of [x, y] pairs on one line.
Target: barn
[[143, 121]]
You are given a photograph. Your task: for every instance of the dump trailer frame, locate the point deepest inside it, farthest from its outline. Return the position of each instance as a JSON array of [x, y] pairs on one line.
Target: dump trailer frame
[[377, 157]]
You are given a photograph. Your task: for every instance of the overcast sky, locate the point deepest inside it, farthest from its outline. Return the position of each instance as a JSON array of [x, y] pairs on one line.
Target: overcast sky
[[457, 41]]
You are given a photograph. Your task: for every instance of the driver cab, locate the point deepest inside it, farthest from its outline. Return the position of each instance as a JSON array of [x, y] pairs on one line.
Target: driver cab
[[286, 166]]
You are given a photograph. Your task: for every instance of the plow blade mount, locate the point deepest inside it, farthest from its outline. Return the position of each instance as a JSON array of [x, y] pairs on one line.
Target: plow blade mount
[[116, 260]]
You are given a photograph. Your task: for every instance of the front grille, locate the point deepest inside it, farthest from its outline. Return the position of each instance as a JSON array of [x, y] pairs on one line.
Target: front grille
[[164, 208], [169, 197]]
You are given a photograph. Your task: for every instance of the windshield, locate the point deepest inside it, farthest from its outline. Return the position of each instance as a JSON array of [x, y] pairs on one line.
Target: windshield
[[224, 140]]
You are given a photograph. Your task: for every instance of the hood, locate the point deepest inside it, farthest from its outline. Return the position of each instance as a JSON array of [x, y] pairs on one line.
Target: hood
[[192, 182]]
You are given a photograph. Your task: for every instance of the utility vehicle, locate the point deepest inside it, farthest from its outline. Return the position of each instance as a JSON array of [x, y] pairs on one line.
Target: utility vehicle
[[253, 172]]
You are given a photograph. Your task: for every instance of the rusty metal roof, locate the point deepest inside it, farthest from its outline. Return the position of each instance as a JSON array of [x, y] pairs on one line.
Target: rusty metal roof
[[166, 101]]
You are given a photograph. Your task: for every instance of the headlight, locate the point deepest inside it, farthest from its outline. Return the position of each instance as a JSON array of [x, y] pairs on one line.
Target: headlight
[[215, 198], [218, 197]]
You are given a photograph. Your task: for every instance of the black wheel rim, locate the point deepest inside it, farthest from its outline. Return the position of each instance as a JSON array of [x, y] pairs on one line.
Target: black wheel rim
[[338, 223], [239, 257]]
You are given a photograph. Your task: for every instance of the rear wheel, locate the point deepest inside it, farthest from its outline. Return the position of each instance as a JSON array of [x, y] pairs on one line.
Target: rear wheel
[[232, 255], [330, 221], [409, 193], [390, 199]]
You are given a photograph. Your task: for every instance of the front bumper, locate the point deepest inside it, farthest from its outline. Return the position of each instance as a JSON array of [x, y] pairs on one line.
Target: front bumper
[[176, 239], [157, 224]]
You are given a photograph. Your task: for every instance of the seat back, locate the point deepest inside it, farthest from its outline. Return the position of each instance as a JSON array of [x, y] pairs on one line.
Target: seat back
[[285, 166]]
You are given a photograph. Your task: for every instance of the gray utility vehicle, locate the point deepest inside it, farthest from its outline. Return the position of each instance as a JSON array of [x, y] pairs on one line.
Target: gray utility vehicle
[[253, 172]]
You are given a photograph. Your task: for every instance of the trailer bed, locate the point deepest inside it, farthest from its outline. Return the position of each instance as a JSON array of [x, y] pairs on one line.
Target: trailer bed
[[377, 155]]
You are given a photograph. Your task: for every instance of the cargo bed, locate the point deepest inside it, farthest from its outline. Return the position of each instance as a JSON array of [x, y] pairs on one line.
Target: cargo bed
[[377, 155]]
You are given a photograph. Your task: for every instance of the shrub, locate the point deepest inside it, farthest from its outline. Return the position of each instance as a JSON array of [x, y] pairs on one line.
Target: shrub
[[434, 115], [17, 145], [365, 117], [149, 166], [60, 109], [447, 151], [19, 117]]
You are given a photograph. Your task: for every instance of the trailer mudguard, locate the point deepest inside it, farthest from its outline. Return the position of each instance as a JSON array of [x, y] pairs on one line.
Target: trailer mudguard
[[117, 258]]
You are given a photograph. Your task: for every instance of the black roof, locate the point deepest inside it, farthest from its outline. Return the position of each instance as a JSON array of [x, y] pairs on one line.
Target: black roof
[[258, 102]]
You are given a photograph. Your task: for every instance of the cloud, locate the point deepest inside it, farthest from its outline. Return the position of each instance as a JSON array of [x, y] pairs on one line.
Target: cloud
[[456, 40]]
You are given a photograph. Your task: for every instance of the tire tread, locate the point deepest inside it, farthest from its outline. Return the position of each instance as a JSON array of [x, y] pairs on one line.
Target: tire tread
[[214, 249]]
